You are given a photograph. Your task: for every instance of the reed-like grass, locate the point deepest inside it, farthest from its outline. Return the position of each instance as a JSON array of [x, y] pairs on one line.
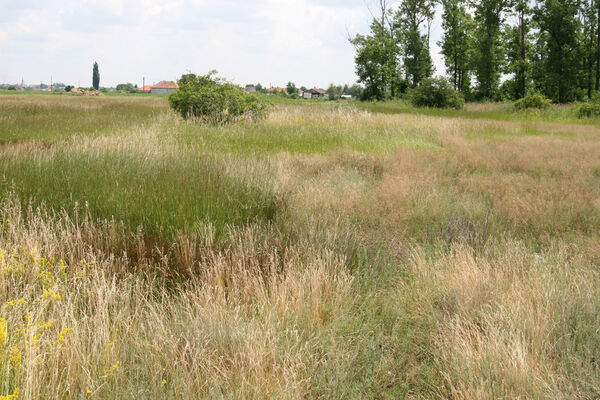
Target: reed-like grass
[[326, 252]]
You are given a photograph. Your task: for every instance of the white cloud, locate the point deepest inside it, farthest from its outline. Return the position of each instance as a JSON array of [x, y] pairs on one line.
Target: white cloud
[[267, 41]]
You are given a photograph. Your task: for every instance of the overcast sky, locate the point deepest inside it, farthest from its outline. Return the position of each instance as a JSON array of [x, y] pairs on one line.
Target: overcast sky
[[266, 41]]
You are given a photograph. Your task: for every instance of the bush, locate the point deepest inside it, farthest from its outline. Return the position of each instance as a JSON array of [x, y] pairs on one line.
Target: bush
[[589, 110], [436, 93], [12, 88], [68, 88], [215, 101], [536, 100]]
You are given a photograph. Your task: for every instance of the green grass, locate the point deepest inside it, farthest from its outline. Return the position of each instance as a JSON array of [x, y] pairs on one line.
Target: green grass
[[492, 111], [308, 137], [162, 195], [26, 118], [325, 252]]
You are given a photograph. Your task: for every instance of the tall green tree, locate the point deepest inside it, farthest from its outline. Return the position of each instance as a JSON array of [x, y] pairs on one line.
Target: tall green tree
[[588, 40], [291, 88], [457, 43], [377, 57], [518, 48], [489, 15], [410, 17], [597, 45], [96, 76], [558, 42]]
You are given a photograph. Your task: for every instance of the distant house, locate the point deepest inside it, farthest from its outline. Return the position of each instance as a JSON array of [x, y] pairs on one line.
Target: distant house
[[316, 93], [277, 90], [250, 89], [146, 89], [164, 87]]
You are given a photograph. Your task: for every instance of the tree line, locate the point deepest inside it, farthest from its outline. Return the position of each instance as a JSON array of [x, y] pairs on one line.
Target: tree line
[[492, 49]]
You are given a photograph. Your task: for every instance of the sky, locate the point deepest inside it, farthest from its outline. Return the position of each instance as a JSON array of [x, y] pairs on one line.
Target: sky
[[270, 42]]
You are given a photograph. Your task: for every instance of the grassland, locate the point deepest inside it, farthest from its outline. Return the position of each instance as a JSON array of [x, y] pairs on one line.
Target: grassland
[[327, 252]]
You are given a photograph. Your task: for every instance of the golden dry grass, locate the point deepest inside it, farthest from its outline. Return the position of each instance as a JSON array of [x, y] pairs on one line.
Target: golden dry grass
[[407, 256]]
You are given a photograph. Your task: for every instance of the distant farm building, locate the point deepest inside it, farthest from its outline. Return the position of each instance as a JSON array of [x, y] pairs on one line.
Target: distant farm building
[[146, 89], [277, 90], [165, 87], [314, 93], [250, 89]]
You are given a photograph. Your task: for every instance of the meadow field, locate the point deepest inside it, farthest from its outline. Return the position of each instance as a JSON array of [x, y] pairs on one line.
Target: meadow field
[[331, 251]]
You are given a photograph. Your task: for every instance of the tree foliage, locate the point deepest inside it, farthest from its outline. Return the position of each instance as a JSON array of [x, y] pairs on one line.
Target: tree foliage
[[436, 93], [457, 43], [558, 24], [334, 92], [411, 16], [95, 76], [212, 100], [550, 47], [377, 57], [488, 48]]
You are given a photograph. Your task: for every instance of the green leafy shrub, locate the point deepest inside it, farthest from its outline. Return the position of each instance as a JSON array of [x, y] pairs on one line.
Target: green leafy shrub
[[535, 100], [214, 101], [436, 93], [588, 110], [12, 88]]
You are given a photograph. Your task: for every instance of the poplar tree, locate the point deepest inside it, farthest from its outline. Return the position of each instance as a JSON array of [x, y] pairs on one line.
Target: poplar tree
[[457, 43], [558, 42], [588, 40], [377, 57], [489, 15], [410, 17], [518, 49], [95, 76]]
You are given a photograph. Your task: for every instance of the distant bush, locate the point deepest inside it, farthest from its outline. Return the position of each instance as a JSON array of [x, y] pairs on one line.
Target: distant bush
[[68, 88], [436, 93], [588, 110], [536, 100], [12, 88], [212, 100]]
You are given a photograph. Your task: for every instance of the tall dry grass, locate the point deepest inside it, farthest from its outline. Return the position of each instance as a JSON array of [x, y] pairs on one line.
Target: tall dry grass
[[384, 256]]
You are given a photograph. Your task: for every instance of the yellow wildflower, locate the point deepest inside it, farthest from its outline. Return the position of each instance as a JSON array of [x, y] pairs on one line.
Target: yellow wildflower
[[3, 332], [14, 302], [47, 325], [50, 294], [163, 383], [45, 277], [63, 334], [89, 392], [15, 358], [13, 396], [113, 370]]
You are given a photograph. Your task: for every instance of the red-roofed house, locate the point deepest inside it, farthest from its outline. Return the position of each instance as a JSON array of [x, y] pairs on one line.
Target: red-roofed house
[[165, 87], [277, 89], [146, 89]]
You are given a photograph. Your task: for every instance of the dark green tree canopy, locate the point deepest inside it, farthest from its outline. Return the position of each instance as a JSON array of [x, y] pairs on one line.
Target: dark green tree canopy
[[95, 76], [551, 47]]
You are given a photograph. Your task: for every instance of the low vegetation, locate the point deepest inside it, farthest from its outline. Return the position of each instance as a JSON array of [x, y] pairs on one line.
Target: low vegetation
[[436, 93], [538, 101], [212, 100], [324, 251]]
